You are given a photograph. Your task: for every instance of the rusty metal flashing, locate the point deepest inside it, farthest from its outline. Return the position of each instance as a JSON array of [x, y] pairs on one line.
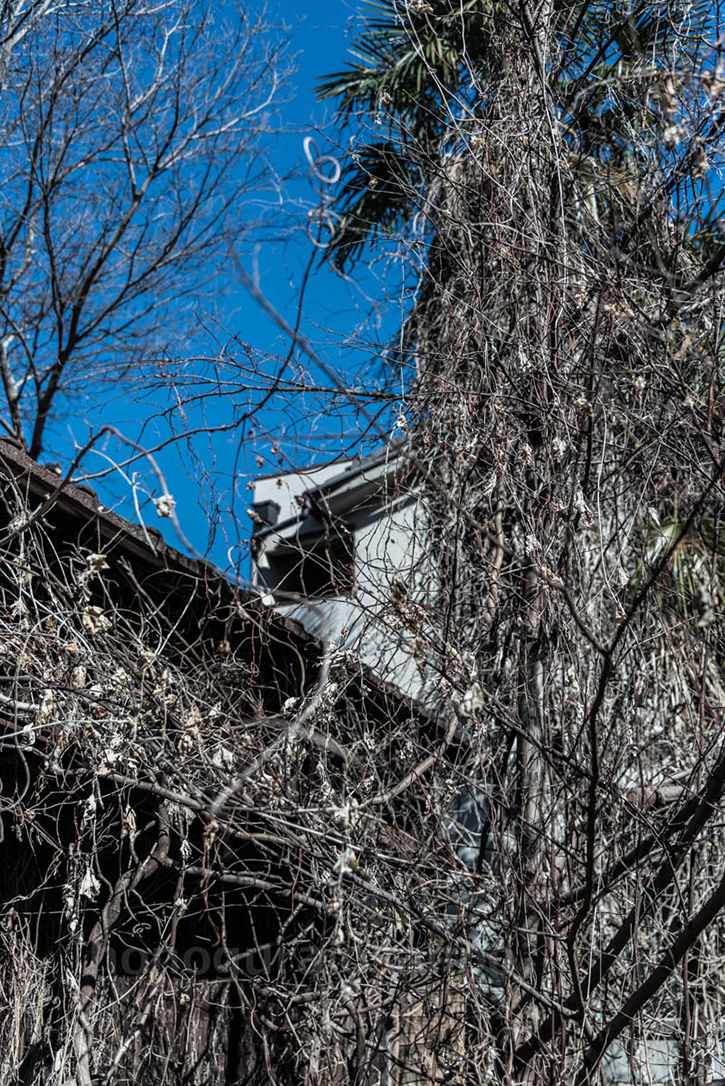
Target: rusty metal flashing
[[146, 546], [81, 502]]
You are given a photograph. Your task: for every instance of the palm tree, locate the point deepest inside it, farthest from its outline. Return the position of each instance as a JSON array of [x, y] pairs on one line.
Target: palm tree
[[429, 74], [553, 171]]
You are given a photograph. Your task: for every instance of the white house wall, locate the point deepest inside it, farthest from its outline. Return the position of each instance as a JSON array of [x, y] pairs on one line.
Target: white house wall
[[389, 547], [391, 561]]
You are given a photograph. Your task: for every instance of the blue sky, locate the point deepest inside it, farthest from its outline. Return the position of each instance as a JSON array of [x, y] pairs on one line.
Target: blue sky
[[344, 322]]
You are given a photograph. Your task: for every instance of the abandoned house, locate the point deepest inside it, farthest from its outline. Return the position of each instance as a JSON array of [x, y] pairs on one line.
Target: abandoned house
[[204, 808]]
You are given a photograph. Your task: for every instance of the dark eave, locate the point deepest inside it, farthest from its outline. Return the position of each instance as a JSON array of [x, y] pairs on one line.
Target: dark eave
[[342, 493]]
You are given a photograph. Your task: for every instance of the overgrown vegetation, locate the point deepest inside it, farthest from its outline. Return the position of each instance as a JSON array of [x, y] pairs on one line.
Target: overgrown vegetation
[[523, 881]]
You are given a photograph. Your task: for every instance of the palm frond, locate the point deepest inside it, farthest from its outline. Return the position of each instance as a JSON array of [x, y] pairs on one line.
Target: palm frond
[[375, 199], [695, 586], [415, 67]]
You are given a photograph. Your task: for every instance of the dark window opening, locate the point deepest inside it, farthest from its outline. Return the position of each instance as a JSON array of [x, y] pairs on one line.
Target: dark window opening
[[319, 567]]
